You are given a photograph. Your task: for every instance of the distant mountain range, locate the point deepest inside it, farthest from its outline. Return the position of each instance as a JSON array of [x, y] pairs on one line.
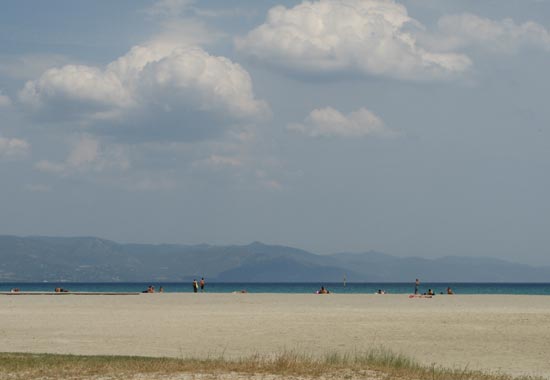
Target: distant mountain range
[[90, 259]]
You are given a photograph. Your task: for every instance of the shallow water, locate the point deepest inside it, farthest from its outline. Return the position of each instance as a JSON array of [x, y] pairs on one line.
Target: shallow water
[[291, 288]]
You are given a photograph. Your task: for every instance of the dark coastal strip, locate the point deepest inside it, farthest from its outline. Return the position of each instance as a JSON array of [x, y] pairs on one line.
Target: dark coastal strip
[[70, 293]]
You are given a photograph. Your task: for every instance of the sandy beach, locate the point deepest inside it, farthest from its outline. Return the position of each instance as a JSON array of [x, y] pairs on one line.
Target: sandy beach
[[497, 333]]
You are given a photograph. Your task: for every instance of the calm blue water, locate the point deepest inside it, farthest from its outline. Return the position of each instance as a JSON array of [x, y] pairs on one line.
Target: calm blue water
[[350, 288]]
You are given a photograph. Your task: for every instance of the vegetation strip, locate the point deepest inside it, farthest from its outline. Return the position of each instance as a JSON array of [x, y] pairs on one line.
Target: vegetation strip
[[375, 364]]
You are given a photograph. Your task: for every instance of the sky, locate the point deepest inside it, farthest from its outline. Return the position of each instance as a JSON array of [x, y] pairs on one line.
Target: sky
[[414, 127]]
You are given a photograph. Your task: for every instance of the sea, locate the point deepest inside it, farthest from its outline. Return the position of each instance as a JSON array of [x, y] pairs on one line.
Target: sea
[[288, 288]]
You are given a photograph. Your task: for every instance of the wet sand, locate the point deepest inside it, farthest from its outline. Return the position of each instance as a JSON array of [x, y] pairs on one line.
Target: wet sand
[[497, 333]]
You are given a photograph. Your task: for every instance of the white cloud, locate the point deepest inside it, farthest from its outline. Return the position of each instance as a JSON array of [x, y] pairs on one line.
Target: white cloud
[[12, 148], [76, 89], [88, 155], [152, 84], [5, 100], [205, 82], [329, 122], [369, 37], [463, 30]]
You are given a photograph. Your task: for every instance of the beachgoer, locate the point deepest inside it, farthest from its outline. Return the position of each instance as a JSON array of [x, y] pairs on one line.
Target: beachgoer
[[161, 289], [323, 291], [416, 284], [431, 292], [450, 291], [195, 286], [150, 289], [202, 284]]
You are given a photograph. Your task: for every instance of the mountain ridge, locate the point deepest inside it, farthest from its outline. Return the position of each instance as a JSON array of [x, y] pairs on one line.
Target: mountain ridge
[[93, 259]]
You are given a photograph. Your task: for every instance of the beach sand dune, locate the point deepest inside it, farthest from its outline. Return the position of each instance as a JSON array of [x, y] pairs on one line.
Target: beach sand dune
[[497, 333]]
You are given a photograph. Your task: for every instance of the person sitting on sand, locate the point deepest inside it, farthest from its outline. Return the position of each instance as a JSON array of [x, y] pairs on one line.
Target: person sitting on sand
[[380, 291], [323, 291], [150, 289], [450, 291], [431, 292]]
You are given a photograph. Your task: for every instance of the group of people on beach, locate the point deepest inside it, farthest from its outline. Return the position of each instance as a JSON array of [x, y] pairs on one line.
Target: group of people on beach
[[430, 292], [151, 289], [323, 290], [196, 285], [200, 284]]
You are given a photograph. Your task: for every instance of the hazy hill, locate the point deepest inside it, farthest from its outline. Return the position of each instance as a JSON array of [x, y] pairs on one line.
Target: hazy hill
[[94, 260]]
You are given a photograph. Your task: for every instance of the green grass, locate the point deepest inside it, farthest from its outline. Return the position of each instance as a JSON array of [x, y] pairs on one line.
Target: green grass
[[380, 364]]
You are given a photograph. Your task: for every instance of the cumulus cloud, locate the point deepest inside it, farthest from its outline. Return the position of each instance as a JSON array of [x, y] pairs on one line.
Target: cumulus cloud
[[329, 122], [463, 30], [153, 84], [12, 148], [369, 37], [79, 90], [87, 155]]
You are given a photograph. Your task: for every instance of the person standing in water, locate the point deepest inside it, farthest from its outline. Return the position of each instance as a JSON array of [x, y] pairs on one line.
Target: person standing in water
[[202, 284], [195, 286], [416, 284]]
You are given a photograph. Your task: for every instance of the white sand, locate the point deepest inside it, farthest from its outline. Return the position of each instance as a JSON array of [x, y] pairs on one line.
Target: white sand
[[498, 333]]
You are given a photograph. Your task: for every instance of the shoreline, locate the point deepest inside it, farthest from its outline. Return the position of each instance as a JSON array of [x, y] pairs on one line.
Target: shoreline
[[361, 288]]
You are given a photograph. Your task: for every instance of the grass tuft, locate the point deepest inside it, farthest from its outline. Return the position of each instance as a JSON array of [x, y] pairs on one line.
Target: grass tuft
[[374, 364]]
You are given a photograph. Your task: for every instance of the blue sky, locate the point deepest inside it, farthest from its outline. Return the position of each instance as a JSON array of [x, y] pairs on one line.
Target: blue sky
[[415, 128]]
